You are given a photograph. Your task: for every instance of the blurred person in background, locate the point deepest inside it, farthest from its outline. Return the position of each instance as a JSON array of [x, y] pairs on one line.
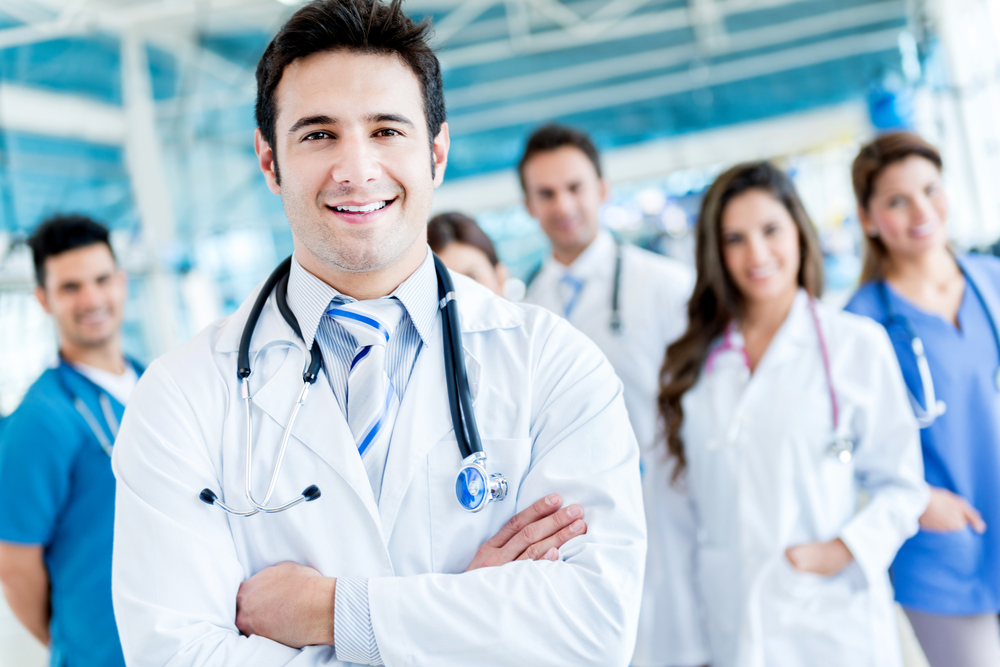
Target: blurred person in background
[[778, 411], [941, 311], [629, 301], [56, 483], [465, 248]]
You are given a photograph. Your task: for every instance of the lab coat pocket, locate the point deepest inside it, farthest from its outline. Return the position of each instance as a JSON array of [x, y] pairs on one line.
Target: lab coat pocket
[[806, 618], [456, 535]]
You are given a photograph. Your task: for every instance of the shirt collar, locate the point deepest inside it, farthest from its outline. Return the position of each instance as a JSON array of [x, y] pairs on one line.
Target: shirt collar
[[596, 260], [309, 297]]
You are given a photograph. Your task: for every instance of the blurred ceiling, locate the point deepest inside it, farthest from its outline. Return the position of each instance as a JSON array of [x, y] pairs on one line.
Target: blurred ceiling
[[627, 71]]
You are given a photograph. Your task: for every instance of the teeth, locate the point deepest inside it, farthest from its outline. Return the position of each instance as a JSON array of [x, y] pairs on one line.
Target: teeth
[[765, 272], [367, 208], [924, 229]]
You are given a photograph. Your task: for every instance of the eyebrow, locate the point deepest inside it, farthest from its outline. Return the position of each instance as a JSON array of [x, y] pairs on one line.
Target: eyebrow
[[327, 120]]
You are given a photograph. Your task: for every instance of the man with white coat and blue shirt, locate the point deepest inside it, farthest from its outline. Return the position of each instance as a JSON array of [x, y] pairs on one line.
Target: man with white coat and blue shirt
[[631, 302], [384, 566]]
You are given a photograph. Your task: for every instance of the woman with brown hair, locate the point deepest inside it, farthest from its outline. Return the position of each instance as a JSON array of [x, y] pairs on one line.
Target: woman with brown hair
[[778, 411], [940, 310], [465, 248]]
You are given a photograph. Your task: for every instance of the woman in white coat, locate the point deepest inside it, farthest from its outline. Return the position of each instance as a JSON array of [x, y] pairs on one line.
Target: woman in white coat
[[778, 412]]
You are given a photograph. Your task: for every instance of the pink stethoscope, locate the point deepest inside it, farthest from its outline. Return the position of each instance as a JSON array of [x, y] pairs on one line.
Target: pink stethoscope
[[841, 447]]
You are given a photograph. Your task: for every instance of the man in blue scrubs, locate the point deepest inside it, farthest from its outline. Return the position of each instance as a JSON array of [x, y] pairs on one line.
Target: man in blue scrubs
[[56, 484]]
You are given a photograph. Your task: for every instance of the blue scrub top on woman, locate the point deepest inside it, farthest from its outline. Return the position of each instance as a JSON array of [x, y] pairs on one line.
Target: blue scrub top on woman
[[953, 574], [58, 492]]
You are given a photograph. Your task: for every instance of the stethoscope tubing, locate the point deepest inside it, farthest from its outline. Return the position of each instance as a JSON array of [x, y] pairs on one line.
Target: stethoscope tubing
[[926, 416], [456, 374]]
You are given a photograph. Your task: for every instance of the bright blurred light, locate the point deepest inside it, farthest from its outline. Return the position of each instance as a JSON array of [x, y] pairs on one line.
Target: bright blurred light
[[652, 201]]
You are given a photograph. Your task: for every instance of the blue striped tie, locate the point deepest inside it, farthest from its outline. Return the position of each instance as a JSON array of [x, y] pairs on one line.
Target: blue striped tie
[[573, 288], [371, 399]]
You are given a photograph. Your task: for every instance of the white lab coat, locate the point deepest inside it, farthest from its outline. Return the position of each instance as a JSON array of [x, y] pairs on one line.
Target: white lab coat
[[653, 297], [760, 478], [552, 420]]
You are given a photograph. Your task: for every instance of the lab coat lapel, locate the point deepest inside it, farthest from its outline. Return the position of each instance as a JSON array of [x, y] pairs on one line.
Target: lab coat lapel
[[320, 424]]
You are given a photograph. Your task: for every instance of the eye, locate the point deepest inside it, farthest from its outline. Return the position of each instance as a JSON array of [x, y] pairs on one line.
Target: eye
[[321, 134], [388, 132], [771, 229], [931, 190], [731, 239], [897, 201]]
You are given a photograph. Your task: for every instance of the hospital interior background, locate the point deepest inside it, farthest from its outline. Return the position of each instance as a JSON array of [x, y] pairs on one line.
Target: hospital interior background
[[140, 113]]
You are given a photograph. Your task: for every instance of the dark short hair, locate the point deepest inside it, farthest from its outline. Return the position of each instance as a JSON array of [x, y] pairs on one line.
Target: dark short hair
[[61, 233], [361, 26], [447, 228], [553, 137]]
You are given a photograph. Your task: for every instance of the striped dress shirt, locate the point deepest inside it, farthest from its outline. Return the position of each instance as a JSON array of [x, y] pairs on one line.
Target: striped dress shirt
[[309, 298]]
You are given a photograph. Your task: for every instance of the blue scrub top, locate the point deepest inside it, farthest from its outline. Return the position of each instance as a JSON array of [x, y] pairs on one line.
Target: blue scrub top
[[59, 492], [953, 574]]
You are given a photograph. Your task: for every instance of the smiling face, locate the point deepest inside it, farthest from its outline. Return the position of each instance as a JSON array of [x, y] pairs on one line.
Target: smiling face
[[908, 208], [85, 293], [356, 167], [760, 247], [564, 193]]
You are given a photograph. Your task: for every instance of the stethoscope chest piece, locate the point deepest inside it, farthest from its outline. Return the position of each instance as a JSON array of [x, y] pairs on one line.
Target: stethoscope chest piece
[[842, 448], [475, 488]]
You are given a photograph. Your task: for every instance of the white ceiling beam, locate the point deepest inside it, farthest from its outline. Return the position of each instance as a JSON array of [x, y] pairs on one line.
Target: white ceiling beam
[[36, 111], [670, 84], [456, 20], [784, 135], [646, 61], [590, 32]]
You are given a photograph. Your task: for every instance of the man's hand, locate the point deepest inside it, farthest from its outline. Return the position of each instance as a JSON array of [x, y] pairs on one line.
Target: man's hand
[[948, 512], [825, 558], [289, 603], [534, 534]]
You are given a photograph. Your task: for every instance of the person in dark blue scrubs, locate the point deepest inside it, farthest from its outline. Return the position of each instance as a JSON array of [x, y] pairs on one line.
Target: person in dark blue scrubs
[[947, 577], [56, 484]]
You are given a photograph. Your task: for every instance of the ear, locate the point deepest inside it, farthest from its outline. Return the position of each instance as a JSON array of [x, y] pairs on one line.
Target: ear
[[867, 224], [265, 159], [42, 299], [439, 153], [605, 189]]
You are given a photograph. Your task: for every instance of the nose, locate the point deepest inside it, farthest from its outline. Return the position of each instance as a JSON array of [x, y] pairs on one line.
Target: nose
[[562, 202], [356, 161], [757, 246]]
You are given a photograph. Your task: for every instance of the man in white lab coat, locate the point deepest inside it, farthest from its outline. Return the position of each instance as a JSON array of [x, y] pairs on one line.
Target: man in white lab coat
[[385, 567], [631, 302]]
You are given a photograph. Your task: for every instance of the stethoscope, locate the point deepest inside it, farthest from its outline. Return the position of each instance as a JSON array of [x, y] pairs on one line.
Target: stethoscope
[[107, 411], [474, 486], [934, 407], [615, 321], [841, 447]]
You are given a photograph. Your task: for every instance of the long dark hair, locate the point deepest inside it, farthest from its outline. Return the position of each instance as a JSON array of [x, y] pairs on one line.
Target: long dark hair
[[716, 301]]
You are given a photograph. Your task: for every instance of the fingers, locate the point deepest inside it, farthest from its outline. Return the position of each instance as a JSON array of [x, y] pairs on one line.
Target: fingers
[[548, 549], [974, 518], [539, 531], [539, 510]]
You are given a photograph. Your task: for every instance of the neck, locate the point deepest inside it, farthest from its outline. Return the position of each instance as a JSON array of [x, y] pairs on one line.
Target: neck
[[566, 255], [368, 285], [935, 267], [766, 317], [107, 357]]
